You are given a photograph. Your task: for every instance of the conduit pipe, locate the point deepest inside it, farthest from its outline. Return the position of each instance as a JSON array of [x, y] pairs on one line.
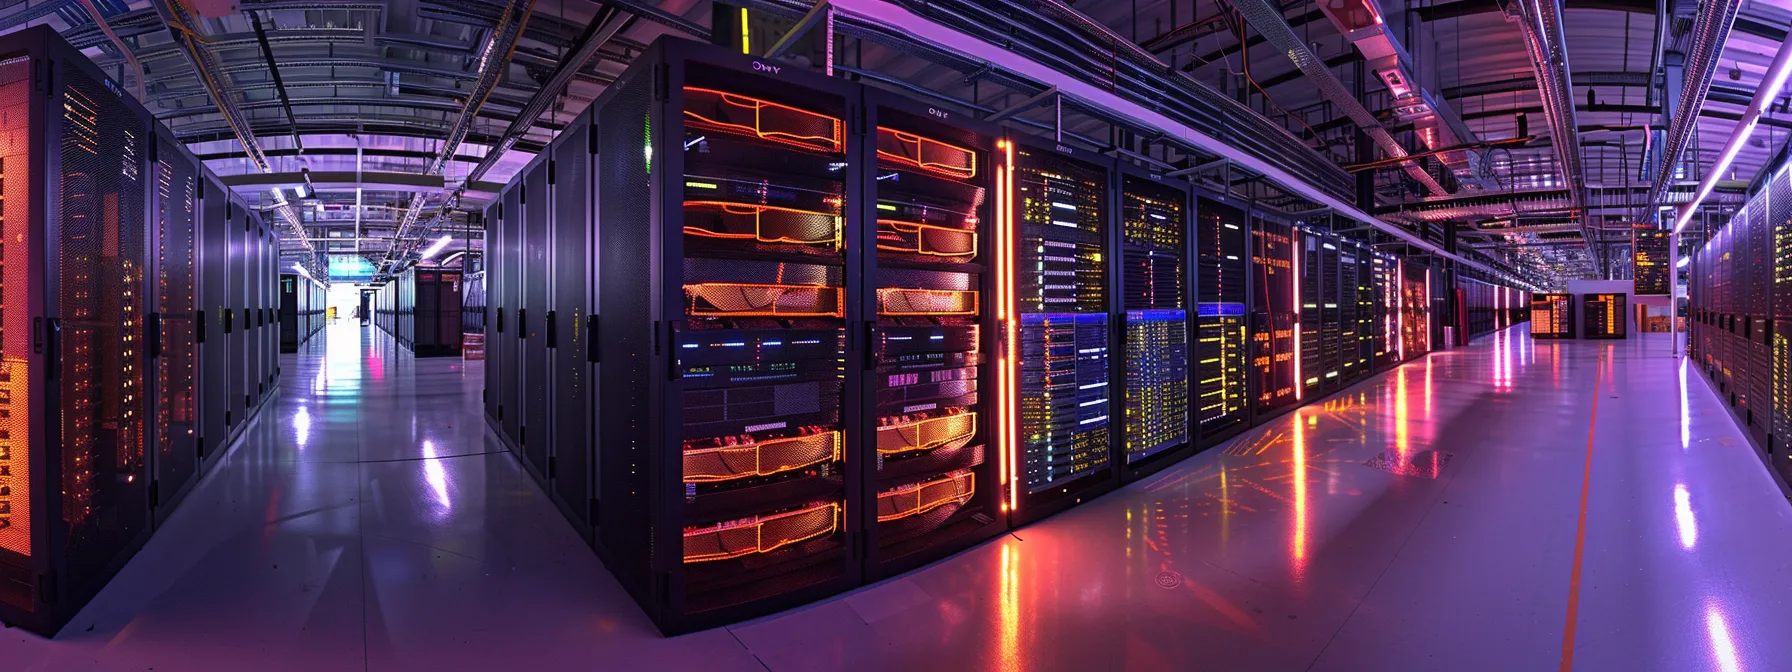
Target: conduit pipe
[[1772, 82], [1711, 30]]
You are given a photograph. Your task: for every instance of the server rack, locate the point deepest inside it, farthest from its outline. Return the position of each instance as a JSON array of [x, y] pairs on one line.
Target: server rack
[[1779, 208], [726, 319], [473, 311], [172, 323], [1606, 315], [105, 380], [1275, 324], [1222, 335], [1312, 276], [1415, 309], [1356, 300], [533, 231], [1331, 299], [1068, 325], [569, 325], [302, 306], [940, 382], [1156, 218], [1759, 309], [1384, 270], [434, 311], [216, 208], [506, 263]]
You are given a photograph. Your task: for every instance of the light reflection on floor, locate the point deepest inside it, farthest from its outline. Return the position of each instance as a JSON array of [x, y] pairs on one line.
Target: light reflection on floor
[[368, 521]]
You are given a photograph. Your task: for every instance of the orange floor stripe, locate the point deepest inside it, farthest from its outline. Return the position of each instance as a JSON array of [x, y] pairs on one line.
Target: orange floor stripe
[[1580, 537]]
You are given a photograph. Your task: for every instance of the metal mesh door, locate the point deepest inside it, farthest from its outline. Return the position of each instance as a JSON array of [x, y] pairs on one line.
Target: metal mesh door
[[101, 305], [177, 403]]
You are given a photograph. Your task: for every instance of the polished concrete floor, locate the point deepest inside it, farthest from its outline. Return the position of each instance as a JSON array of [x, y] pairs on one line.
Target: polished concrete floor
[[1435, 518]]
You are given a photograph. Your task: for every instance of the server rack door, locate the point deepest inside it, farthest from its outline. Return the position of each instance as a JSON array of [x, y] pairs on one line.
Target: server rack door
[[1062, 288], [535, 433], [1349, 322], [1365, 311], [509, 351], [26, 489], [1221, 336], [1760, 264], [177, 366], [1779, 209], [1386, 295], [236, 351], [758, 270], [1275, 311], [427, 309], [447, 325], [98, 188], [1415, 309], [571, 376], [1312, 296], [254, 381], [291, 308], [933, 460], [1330, 336], [1154, 295], [214, 388]]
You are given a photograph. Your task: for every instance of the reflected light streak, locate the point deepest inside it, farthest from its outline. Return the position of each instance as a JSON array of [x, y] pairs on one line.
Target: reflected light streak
[[301, 426], [1402, 433], [1009, 611], [1689, 526], [1298, 541], [435, 475], [1685, 411], [1721, 645]]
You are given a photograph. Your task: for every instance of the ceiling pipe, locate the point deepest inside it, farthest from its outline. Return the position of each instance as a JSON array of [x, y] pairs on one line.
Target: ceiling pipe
[[1711, 30], [494, 59], [267, 52], [1543, 38], [1773, 81], [123, 49], [181, 30], [596, 36], [1267, 18]]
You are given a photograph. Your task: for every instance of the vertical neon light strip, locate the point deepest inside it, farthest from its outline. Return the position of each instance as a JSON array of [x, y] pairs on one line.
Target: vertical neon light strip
[[1010, 336], [1400, 309], [1294, 294], [1001, 324], [1429, 304], [746, 46]]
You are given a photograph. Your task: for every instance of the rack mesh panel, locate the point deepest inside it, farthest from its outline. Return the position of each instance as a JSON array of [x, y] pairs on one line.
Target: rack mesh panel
[[1155, 218], [932, 211], [101, 305], [1779, 207], [177, 369], [1330, 331], [626, 222], [1220, 335], [1274, 309], [1063, 303], [572, 389], [16, 238], [1760, 283]]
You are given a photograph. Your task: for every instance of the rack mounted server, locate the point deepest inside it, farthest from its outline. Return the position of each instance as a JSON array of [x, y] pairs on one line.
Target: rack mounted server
[[765, 335], [421, 309], [127, 274]]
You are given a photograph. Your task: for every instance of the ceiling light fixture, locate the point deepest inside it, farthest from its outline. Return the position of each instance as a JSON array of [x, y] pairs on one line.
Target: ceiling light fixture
[[434, 248], [1770, 89]]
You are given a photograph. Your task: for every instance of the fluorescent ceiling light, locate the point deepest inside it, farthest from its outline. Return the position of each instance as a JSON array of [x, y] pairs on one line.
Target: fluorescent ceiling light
[[434, 248]]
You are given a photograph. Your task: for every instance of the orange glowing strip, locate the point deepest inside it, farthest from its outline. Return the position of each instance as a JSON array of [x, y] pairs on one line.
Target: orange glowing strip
[[1011, 328], [831, 142], [917, 498], [921, 243], [755, 211], [1294, 263], [1001, 269], [955, 161], [709, 465], [764, 300], [903, 301], [928, 434], [759, 534]]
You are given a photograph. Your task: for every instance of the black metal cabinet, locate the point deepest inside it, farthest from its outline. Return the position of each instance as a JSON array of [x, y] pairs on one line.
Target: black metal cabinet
[[1157, 334]]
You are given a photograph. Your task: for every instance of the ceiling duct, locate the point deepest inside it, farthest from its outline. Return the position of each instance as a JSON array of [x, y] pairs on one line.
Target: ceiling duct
[[1267, 18], [1437, 124]]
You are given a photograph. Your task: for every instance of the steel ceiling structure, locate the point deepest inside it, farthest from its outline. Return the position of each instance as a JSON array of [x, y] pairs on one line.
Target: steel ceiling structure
[[1527, 136]]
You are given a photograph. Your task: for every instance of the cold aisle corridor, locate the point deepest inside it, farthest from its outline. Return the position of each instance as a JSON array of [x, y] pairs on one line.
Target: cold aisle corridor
[[369, 520]]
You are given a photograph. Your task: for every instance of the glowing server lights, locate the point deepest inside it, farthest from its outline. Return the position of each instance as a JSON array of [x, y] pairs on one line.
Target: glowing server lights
[[1154, 287], [135, 326], [1062, 279]]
